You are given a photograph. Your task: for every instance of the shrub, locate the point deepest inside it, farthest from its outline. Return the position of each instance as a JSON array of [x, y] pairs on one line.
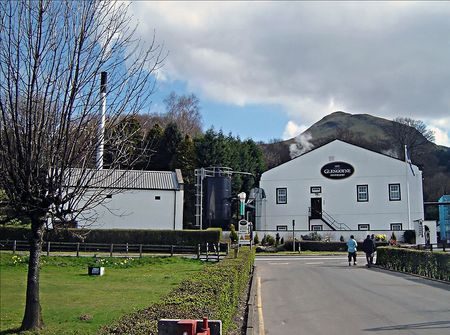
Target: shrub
[[409, 236], [316, 246], [233, 235], [256, 239], [270, 240], [380, 237], [119, 236], [314, 236], [341, 239], [424, 263], [393, 237], [214, 292]]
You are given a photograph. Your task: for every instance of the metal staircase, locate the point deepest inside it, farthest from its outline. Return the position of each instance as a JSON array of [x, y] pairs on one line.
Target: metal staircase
[[327, 219]]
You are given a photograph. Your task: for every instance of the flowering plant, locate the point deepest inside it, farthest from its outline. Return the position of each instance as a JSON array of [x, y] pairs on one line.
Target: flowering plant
[[380, 237]]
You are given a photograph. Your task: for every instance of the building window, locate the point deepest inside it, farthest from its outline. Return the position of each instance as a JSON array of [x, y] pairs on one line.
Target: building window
[[157, 197], [316, 227], [364, 226], [281, 195], [283, 228], [362, 192], [396, 226], [315, 189], [394, 192]]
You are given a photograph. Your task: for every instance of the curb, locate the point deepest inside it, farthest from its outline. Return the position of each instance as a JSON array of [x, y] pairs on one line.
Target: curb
[[411, 274], [251, 304]]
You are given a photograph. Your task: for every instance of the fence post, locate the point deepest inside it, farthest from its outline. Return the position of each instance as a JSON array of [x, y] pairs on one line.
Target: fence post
[[171, 250], [48, 248], [140, 250], [218, 252], [111, 250], [207, 249], [228, 248], [78, 249], [198, 251], [15, 247], [126, 249]]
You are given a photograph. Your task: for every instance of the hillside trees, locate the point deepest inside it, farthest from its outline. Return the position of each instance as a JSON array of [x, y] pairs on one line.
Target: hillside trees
[[412, 133], [51, 56]]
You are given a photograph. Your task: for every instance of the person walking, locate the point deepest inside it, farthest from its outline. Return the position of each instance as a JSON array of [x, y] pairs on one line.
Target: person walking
[[368, 248], [351, 248], [372, 237]]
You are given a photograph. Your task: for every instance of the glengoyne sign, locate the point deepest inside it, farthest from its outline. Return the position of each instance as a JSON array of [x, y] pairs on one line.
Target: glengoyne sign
[[337, 170]]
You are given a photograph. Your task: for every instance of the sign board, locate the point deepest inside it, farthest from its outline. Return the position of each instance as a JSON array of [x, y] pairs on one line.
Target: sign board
[[245, 232], [337, 170], [316, 189], [96, 270]]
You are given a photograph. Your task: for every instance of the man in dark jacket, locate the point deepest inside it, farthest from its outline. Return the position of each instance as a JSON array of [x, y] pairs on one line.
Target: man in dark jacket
[[369, 248]]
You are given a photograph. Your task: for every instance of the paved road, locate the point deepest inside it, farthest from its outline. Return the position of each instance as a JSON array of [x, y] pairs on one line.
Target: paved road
[[323, 295]]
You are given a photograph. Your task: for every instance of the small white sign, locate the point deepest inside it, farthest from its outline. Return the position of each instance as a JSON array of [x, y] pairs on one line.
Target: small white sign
[[244, 232]]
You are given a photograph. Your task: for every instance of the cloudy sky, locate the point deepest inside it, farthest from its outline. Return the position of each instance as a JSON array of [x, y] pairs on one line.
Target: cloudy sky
[[266, 70]]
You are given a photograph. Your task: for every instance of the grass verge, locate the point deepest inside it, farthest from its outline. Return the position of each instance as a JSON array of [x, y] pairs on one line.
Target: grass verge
[[75, 303], [214, 292]]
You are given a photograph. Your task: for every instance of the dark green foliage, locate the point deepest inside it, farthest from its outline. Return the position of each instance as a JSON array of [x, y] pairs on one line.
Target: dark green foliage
[[233, 234], [409, 236], [393, 237], [320, 246], [314, 236], [424, 263], [135, 236], [268, 240], [214, 292], [256, 239]]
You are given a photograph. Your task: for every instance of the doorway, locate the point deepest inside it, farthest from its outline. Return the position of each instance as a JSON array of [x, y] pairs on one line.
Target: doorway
[[316, 208]]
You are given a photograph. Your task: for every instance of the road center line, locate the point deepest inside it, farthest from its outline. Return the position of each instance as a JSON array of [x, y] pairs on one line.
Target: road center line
[[314, 263], [259, 306], [278, 263]]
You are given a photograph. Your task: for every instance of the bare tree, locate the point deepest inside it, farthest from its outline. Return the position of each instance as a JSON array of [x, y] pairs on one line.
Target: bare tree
[[410, 132], [51, 57], [184, 110]]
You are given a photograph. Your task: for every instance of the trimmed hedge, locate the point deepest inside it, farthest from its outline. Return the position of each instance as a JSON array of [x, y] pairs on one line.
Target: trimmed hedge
[[323, 246], [434, 265], [215, 293], [119, 236]]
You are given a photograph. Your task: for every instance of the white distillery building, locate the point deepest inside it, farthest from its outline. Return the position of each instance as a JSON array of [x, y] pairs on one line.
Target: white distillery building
[[135, 200], [341, 187]]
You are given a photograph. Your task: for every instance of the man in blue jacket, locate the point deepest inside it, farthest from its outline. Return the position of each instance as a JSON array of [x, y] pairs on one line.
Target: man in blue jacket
[[351, 248]]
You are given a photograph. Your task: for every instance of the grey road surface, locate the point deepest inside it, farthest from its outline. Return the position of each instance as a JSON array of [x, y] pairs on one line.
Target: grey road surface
[[323, 295]]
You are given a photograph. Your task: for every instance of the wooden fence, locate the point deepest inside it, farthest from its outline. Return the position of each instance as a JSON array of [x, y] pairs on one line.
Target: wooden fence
[[206, 251]]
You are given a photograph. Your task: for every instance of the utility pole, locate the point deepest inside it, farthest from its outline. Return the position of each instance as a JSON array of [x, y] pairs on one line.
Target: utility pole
[[293, 235]]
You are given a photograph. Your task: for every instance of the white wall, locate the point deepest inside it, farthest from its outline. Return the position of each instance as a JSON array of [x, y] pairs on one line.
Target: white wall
[[333, 235], [139, 209], [339, 197]]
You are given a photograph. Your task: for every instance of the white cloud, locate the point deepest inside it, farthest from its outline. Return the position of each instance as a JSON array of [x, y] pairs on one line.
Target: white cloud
[[292, 130], [312, 58], [441, 136]]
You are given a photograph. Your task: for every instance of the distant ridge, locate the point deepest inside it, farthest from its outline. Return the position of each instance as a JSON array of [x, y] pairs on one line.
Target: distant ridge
[[369, 132]]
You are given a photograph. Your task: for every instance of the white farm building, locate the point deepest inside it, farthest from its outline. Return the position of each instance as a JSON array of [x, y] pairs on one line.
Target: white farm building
[[135, 200], [341, 187]]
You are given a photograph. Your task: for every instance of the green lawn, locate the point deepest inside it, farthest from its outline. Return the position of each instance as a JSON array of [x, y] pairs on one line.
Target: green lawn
[[75, 303]]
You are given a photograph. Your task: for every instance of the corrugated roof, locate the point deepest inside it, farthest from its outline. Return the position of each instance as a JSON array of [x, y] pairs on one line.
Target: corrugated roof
[[125, 179]]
